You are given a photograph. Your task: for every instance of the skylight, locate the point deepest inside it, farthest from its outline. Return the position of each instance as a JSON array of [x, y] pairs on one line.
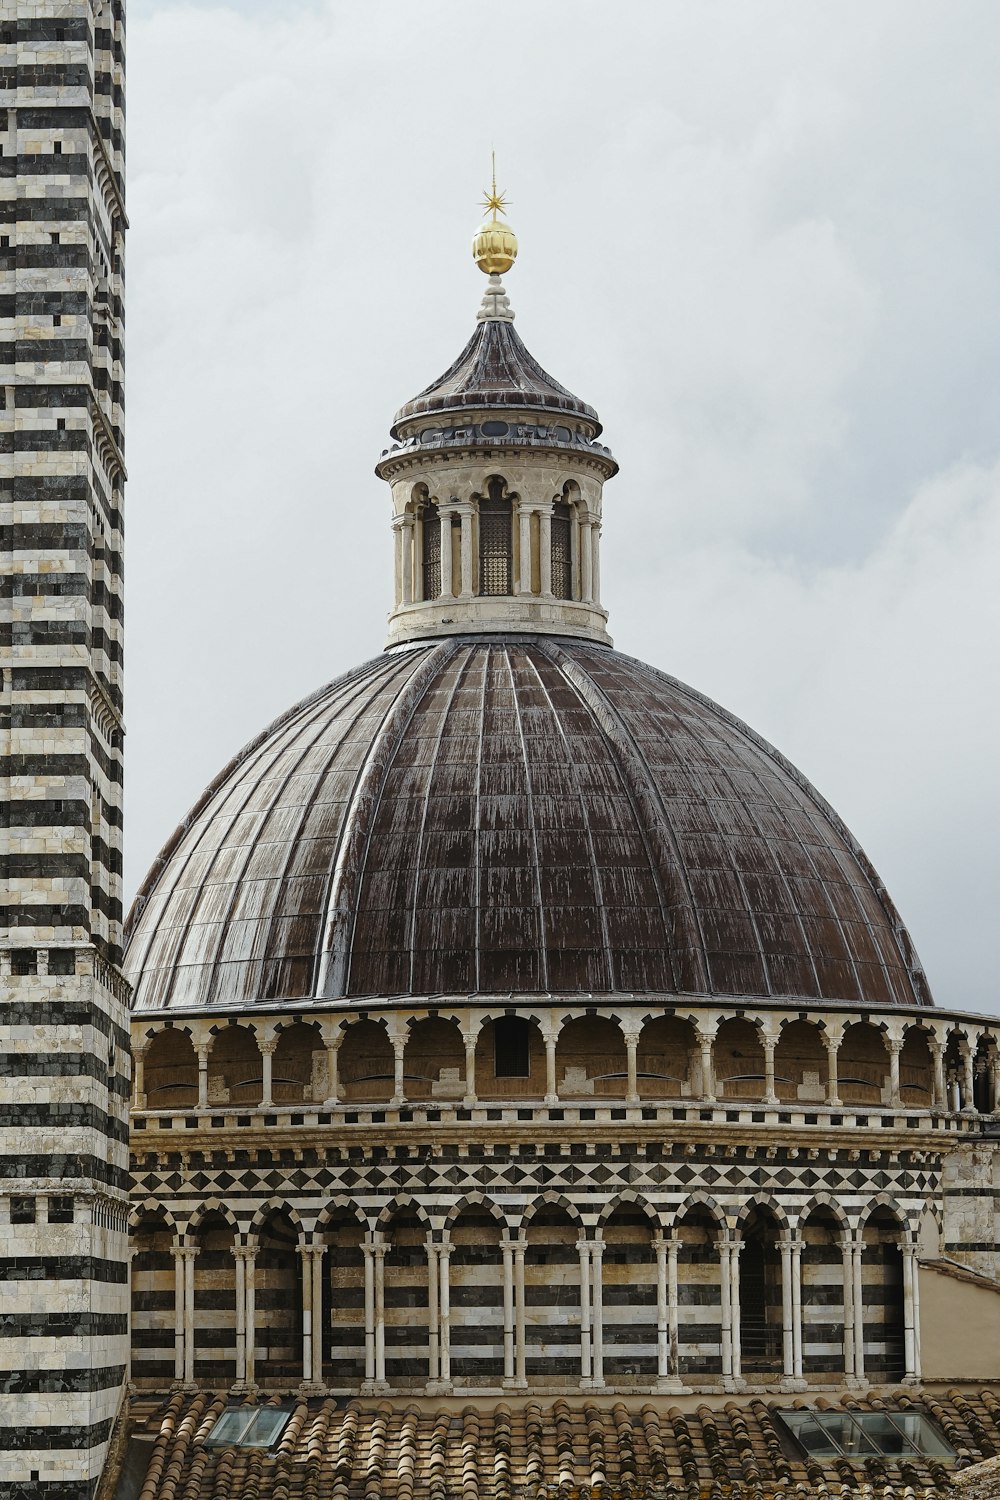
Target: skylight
[[249, 1427], [858, 1435]]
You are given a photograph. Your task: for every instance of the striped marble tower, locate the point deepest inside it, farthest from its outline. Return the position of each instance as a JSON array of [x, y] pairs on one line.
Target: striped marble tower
[[64, 1068]]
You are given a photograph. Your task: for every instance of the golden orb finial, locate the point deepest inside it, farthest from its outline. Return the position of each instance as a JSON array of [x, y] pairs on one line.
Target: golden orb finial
[[494, 245]]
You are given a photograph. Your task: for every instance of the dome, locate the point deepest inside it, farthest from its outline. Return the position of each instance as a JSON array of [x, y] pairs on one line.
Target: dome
[[513, 815], [495, 370]]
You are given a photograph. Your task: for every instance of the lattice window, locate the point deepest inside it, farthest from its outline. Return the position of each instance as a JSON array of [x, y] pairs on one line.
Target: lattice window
[[562, 554], [495, 541], [432, 552]]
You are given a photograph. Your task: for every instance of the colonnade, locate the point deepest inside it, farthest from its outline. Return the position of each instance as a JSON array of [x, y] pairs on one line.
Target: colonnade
[[961, 1067], [316, 1282], [534, 550]]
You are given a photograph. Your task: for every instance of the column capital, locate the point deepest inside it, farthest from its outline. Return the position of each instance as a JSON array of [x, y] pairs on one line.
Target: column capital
[[513, 1243], [245, 1252]]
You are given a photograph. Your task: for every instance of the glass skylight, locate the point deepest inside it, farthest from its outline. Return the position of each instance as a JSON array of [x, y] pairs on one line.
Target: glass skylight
[[858, 1435], [248, 1427]]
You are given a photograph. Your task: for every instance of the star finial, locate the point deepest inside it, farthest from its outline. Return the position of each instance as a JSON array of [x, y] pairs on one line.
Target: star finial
[[494, 201]]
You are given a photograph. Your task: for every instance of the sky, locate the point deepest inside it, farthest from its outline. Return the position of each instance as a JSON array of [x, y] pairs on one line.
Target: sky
[[762, 237]]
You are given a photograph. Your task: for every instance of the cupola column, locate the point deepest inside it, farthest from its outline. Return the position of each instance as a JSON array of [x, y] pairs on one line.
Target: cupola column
[[769, 1042], [968, 1080], [545, 549], [267, 1045], [524, 547], [203, 1049], [631, 1066], [445, 512], [832, 1038], [595, 560], [586, 559], [138, 1078], [895, 1045], [550, 1036], [464, 511]]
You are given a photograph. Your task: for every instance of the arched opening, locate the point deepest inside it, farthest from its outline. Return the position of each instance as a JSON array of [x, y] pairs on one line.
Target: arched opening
[[495, 539], [863, 1065], [476, 1287], [434, 1060], [170, 1071], [344, 1301], [215, 1302], [510, 1059], [954, 1070], [430, 550], [916, 1070], [739, 1061], [629, 1296], [590, 1059], [552, 1296], [235, 1067], [983, 1068], [882, 1296], [562, 549], [153, 1302], [406, 1299], [823, 1315], [760, 1294], [366, 1064], [663, 1060], [699, 1293], [800, 1067], [278, 1279], [298, 1067]]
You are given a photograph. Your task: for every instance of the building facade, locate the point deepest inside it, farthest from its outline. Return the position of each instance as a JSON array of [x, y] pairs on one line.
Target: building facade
[[63, 1001]]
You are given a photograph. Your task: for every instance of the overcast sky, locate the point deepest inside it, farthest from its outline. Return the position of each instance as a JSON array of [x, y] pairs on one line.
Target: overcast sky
[[763, 239]]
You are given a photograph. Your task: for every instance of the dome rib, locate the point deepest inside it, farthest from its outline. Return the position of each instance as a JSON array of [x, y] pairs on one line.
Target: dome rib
[[509, 815]]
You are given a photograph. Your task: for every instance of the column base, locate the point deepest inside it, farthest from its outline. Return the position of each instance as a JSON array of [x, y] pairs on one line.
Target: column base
[[374, 1387], [856, 1383], [794, 1383], [672, 1383], [438, 1388], [242, 1387], [311, 1388], [590, 1384], [511, 1383], [733, 1383]]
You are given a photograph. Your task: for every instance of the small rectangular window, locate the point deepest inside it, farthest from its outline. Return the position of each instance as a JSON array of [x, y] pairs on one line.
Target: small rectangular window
[[248, 1427], [511, 1047], [60, 424], [5, 241], [22, 1210], [24, 961], [54, 237], [56, 320]]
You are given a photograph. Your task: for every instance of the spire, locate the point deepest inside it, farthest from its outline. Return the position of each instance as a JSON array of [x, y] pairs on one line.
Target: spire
[[494, 245]]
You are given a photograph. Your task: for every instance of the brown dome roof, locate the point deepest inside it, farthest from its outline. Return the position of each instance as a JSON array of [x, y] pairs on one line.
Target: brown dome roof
[[495, 370], [512, 815]]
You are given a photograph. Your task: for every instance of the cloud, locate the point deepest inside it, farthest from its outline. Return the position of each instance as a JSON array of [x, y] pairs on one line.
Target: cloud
[[761, 239]]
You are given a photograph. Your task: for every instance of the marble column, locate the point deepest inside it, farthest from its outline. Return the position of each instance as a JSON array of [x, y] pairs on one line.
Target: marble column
[[857, 1250], [470, 1036], [189, 1254], [847, 1273], [507, 1250], [551, 1092], [734, 1281], [631, 1066], [178, 1252], [586, 1367], [524, 548], [788, 1357], [379, 1252], [368, 1249], [520, 1342], [545, 549], [333, 1070], [465, 516], [250, 1318], [203, 1049], [240, 1256], [832, 1044], [797, 1368], [398, 1040], [895, 1048], [726, 1308], [595, 561], [307, 1312], [969, 1080], [444, 1300], [911, 1371], [705, 1040], [769, 1044], [673, 1249], [407, 561], [138, 1077], [586, 561], [447, 583], [937, 1059], [433, 1313], [597, 1311], [267, 1047]]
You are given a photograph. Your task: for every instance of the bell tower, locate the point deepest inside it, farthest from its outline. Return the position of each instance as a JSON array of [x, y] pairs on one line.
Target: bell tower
[[64, 1059], [497, 479]]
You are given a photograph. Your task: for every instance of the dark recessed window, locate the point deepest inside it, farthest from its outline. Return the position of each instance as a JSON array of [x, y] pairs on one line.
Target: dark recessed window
[[56, 320], [859, 1435], [24, 961], [60, 1210], [62, 961], [248, 1427], [511, 1038], [57, 148], [22, 1210], [54, 238]]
